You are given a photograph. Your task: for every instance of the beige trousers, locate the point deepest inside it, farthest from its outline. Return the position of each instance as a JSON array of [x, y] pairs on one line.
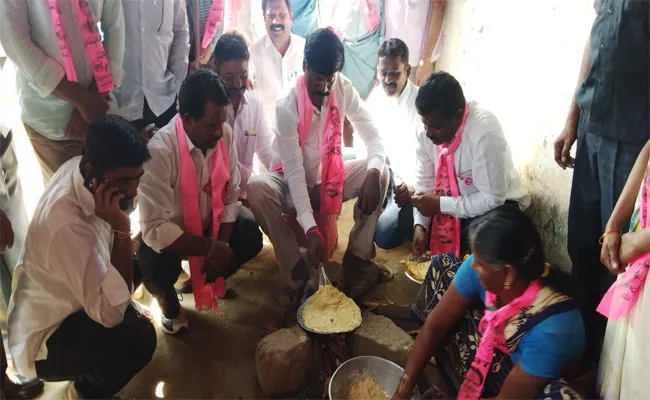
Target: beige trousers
[[269, 198], [52, 154]]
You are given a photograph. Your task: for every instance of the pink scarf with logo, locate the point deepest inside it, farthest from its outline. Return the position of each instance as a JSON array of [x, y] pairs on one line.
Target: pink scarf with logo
[[332, 173], [216, 17], [445, 229], [622, 295], [492, 337], [205, 295], [92, 43], [369, 12]]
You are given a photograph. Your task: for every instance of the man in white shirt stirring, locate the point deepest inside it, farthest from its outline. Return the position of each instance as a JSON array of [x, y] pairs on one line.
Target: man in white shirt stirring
[[189, 202], [70, 315], [309, 129], [57, 107], [276, 59], [155, 60], [392, 104], [464, 167], [246, 117]]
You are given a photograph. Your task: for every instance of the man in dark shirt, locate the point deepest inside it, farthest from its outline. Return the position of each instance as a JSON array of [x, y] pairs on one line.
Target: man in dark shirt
[[609, 118]]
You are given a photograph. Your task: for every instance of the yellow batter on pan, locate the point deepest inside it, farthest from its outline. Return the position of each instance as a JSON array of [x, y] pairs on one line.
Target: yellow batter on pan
[[418, 270], [330, 311]]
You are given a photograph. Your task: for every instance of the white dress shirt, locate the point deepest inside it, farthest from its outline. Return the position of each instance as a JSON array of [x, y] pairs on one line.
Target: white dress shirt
[[249, 20], [486, 175], [273, 74], [4, 129], [302, 167], [253, 136], [409, 20], [159, 195], [398, 122], [345, 16], [65, 267], [156, 55], [29, 39]]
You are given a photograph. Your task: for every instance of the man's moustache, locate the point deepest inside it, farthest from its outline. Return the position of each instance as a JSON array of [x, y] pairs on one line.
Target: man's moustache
[[237, 91], [274, 26], [390, 85], [324, 94]]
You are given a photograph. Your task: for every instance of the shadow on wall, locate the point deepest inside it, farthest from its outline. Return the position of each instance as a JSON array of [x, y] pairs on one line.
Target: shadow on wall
[[550, 218], [550, 215]]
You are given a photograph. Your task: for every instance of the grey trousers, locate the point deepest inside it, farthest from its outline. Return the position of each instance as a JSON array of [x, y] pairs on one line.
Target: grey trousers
[[269, 198]]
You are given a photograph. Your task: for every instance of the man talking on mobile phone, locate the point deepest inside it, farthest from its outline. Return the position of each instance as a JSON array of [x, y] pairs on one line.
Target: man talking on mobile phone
[[70, 314]]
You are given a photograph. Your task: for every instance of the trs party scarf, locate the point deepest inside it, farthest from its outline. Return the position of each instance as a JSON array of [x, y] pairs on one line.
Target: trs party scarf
[[622, 295], [491, 328], [445, 229], [92, 44], [216, 17], [332, 173], [205, 295]]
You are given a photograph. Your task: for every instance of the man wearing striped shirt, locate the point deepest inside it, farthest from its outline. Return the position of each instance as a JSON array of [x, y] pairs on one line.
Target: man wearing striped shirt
[[409, 20]]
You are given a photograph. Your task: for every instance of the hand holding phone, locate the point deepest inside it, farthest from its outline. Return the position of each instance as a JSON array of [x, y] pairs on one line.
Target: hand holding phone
[[107, 205]]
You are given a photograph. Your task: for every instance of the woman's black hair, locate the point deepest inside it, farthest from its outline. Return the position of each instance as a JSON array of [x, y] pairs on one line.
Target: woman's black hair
[[507, 236]]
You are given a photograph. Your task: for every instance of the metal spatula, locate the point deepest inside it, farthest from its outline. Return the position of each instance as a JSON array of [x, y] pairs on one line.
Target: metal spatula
[[322, 276]]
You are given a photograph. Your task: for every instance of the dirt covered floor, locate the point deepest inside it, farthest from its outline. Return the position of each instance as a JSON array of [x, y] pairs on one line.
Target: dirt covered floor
[[216, 357]]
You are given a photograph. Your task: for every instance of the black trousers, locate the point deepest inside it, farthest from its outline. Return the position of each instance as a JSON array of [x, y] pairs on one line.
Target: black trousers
[[148, 117], [601, 169], [100, 360], [161, 270]]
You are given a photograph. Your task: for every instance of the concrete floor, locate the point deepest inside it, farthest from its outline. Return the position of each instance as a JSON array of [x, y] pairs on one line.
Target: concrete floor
[[215, 358]]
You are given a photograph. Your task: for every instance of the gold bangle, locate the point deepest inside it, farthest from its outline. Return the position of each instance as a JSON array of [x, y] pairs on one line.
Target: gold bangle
[[604, 235]]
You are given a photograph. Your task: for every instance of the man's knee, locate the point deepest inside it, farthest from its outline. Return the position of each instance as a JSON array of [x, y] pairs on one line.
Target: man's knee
[[385, 234], [258, 191], [248, 241], [159, 270], [139, 341]]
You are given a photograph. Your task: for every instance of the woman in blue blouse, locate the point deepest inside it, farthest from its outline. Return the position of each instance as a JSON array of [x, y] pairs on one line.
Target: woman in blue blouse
[[542, 337]]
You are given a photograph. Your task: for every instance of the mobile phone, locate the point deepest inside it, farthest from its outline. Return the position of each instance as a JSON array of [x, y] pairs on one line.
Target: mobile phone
[[128, 204], [88, 180]]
